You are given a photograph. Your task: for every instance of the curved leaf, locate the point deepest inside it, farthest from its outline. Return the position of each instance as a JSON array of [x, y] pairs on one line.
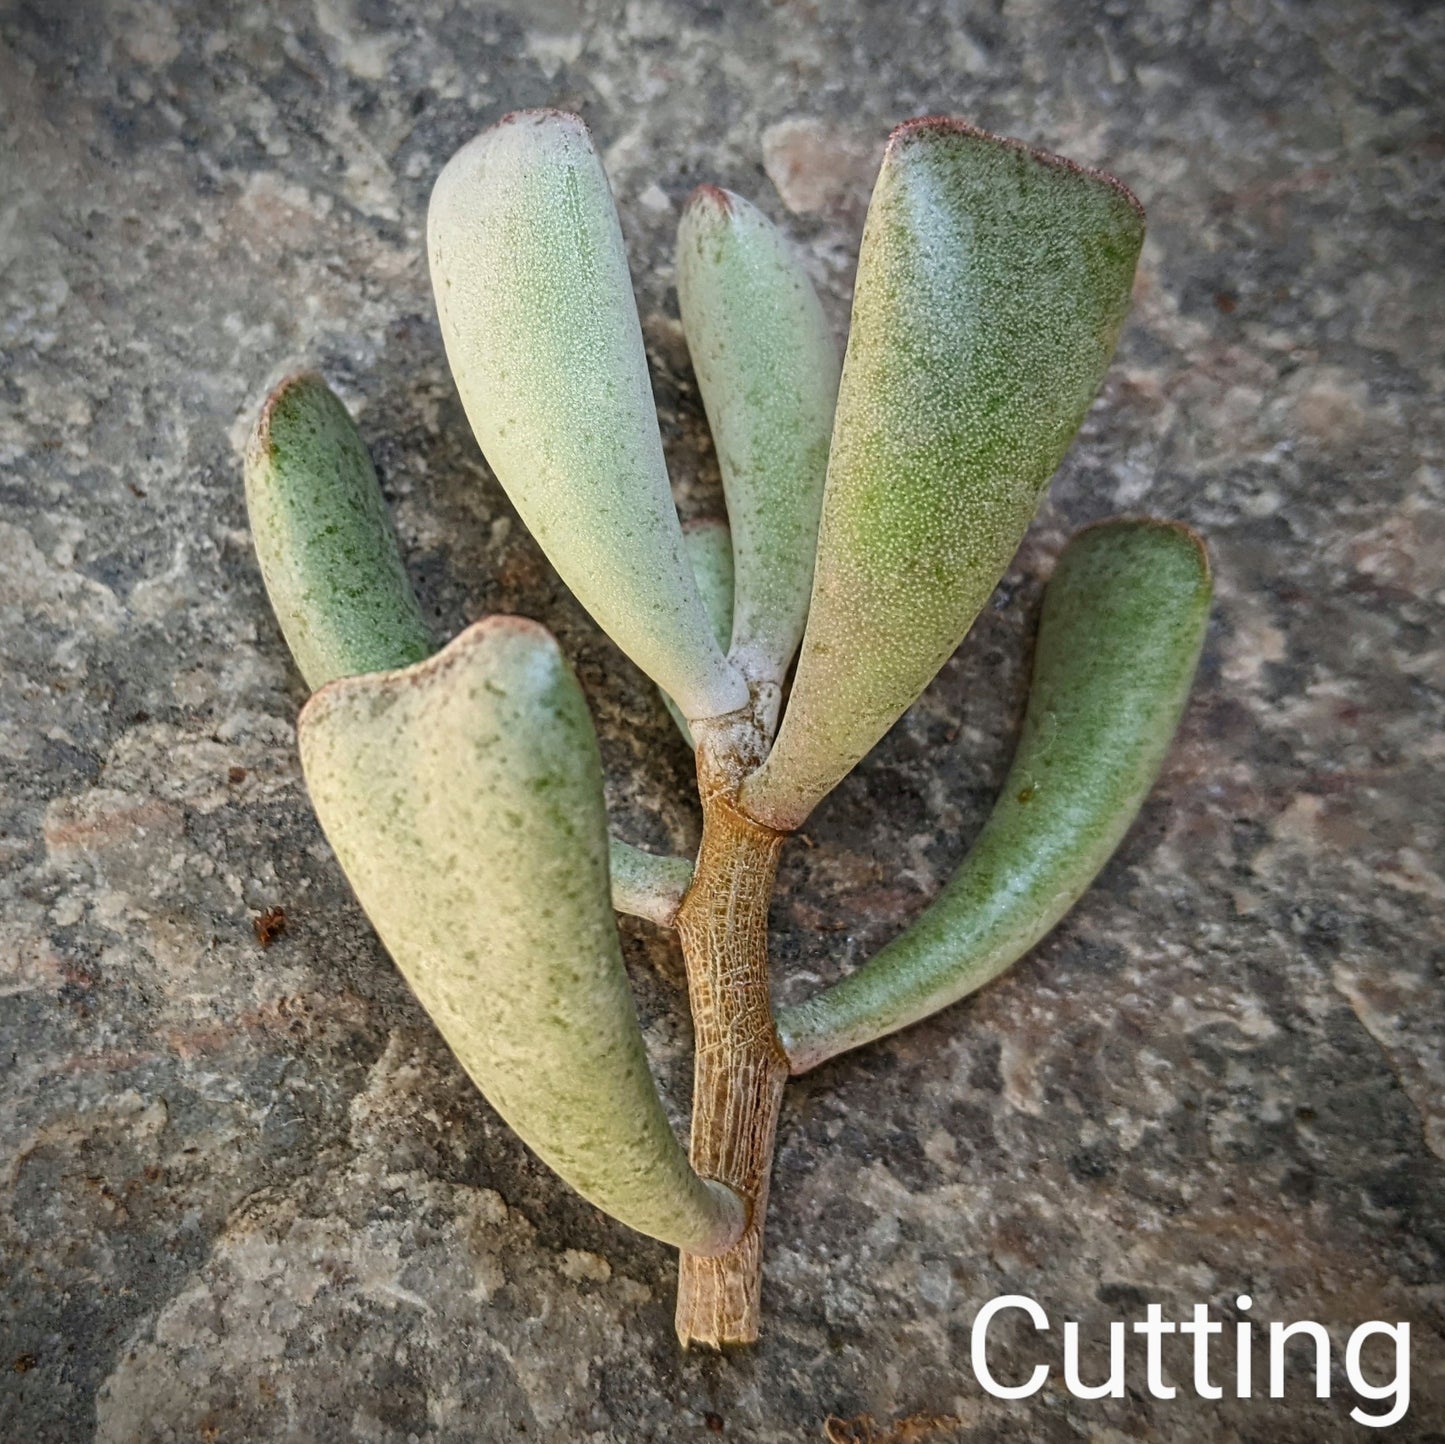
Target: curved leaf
[[541, 330], [767, 367], [324, 539], [463, 798], [992, 284], [1122, 624]]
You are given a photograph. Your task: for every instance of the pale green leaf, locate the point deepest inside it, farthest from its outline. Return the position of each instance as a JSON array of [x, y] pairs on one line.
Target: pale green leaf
[[767, 368], [541, 330], [463, 798], [647, 884]]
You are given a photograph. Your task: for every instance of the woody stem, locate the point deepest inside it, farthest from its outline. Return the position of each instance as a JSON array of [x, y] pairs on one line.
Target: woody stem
[[739, 1064]]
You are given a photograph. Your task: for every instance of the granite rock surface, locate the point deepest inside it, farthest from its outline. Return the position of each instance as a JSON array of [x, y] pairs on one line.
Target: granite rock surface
[[245, 1194]]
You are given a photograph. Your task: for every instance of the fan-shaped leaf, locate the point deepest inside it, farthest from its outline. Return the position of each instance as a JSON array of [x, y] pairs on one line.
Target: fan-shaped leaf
[[992, 284]]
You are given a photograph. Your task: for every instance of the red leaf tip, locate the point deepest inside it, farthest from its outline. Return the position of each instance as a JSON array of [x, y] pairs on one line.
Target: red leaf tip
[[538, 115], [927, 127], [708, 194]]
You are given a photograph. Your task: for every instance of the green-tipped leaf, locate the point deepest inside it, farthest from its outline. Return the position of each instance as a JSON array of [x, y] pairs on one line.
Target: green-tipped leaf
[[463, 798], [767, 368], [324, 539], [1122, 624], [992, 284], [541, 330]]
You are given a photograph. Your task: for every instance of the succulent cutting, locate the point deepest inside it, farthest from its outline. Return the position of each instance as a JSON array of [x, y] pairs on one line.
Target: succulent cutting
[[873, 504]]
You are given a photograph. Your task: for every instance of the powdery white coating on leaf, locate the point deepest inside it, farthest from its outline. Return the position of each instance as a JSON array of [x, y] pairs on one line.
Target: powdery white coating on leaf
[[1123, 621], [324, 539], [992, 284], [541, 330], [768, 370], [463, 798]]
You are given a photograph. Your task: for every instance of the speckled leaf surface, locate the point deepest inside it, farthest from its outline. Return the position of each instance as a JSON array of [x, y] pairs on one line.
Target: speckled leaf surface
[[463, 798], [709, 549], [767, 367], [324, 539], [541, 330], [992, 284], [1122, 625]]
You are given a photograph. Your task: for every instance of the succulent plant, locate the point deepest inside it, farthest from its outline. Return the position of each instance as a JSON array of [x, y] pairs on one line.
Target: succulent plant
[[873, 507]]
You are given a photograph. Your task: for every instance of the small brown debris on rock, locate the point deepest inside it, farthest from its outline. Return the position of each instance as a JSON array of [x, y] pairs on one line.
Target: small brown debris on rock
[[25, 1363], [236, 776], [269, 926], [864, 1430]]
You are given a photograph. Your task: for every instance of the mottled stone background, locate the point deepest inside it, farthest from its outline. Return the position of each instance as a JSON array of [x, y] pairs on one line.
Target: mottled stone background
[[248, 1195]]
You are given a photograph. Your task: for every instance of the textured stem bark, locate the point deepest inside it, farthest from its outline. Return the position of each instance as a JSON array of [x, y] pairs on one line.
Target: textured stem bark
[[739, 1067]]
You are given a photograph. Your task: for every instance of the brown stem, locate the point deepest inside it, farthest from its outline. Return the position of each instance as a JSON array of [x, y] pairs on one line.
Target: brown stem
[[740, 1066]]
